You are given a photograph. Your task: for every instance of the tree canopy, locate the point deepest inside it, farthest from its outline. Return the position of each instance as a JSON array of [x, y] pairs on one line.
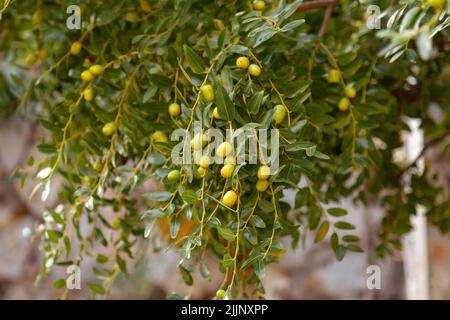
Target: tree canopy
[[335, 78]]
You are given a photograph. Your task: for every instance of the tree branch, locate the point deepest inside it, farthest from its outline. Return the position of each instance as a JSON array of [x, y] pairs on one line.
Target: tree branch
[[317, 4], [426, 146]]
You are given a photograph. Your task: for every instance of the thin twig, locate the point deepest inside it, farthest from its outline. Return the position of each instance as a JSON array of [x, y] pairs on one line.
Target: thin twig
[[317, 4]]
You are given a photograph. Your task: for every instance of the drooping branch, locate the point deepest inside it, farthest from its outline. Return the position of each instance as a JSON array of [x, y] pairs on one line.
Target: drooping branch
[[318, 4]]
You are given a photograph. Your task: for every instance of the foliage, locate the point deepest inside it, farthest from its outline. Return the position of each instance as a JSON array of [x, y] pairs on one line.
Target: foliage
[[154, 53]]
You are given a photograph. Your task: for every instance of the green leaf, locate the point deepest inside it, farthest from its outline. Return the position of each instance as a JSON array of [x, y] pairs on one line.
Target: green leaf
[[350, 238], [59, 284], [257, 222], [256, 101], [96, 288], [337, 212], [224, 103], [354, 248], [226, 233], [322, 231], [344, 225], [189, 196], [254, 258], [157, 196], [186, 275], [227, 261], [194, 60], [340, 252], [101, 258], [174, 227]]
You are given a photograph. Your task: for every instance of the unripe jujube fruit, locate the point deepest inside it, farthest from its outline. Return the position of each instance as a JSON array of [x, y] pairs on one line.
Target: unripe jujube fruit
[[242, 62], [207, 92], [254, 70], [174, 109], [263, 173], [229, 198]]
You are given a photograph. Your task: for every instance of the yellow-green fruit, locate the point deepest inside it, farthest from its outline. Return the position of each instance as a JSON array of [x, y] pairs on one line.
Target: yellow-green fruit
[[108, 129], [438, 4], [173, 175], [42, 54], [259, 5], [115, 223], [216, 114], [344, 104], [350, 92], [263, 173], [204, 162], [229, 198], [280, 113], [334, 76], [86, 75], [159, 136], [198, 141], [174, 109], [227, 171], [224, 149], [254, 70], [88, 94], [220, 294], [75, 48], [207, 92], [242, 62], [31, 59], [96, 69], [262, 185], [201, 172]]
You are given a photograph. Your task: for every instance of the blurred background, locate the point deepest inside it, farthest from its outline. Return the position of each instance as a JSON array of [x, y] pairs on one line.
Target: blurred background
[[311, 272]]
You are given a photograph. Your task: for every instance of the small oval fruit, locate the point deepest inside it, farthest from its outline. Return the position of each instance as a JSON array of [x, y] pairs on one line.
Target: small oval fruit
[[115, 224], [42, 54], [174, 109], [224, 149], [227, 171], [216, 114], [96, 69], [437, 4], [262, 185], [86, 75], [242, 62], [159, 136], [198, 141], [207, 92], [259, 5], [75, 48], [263, 173], [108, 129], [173, 175], [220, 294], [204, 162], [344, 104], [88, 94], [201, 172], [229, 198], [350, 92], [334, 76], [31, 59], [254, 70], [280, 113]]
